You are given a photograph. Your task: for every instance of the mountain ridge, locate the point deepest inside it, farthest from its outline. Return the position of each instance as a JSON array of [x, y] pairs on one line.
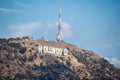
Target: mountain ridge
[[20, 59]]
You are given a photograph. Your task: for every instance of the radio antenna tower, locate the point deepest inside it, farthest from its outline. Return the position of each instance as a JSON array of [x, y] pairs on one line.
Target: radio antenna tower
[[60, 32]]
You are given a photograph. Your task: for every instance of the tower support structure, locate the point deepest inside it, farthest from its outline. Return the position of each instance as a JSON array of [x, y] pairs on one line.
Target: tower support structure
[[60, 31]]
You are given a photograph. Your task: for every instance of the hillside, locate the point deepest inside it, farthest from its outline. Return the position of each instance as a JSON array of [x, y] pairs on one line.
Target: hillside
[[20, 59]]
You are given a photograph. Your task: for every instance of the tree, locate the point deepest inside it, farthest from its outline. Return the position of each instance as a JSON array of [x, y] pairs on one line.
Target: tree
[[22, 50]]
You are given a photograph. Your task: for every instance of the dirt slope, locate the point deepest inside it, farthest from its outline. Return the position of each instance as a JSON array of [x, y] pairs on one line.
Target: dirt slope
[[20, 59]]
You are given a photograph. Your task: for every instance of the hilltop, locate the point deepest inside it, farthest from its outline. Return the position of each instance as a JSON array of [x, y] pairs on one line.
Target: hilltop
[[20, 59]]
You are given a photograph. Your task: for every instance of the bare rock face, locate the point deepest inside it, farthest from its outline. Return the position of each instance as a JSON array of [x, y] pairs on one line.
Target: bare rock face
[[20, 59]]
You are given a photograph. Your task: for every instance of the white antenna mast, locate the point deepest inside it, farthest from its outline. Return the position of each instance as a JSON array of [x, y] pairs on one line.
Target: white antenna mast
[[60, 32]]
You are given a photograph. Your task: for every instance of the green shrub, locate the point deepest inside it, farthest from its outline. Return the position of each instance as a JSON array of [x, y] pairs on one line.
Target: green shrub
[[22, 50]]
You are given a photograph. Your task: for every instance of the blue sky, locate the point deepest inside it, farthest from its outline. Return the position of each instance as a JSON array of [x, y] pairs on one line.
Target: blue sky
[[89, 24]]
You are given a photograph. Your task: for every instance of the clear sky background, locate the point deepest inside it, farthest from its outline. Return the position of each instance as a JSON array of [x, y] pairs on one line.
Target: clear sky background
[[89, 24]]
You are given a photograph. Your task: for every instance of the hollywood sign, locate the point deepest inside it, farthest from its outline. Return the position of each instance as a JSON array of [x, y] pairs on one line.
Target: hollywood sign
[[53, 50]]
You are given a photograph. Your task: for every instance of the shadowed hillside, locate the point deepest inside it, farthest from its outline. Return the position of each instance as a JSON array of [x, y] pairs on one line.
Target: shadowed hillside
[[20, 59]]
